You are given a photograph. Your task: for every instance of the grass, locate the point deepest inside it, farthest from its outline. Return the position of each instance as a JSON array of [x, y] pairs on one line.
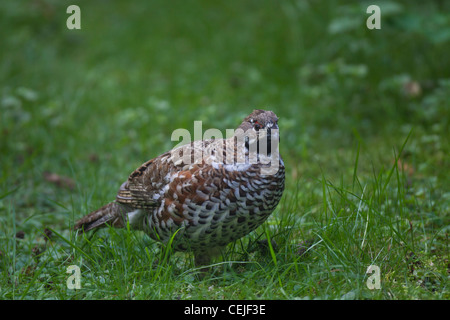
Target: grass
[[364, 124]]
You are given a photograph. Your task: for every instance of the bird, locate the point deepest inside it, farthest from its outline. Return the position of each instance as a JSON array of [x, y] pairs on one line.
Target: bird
[[205, 194]]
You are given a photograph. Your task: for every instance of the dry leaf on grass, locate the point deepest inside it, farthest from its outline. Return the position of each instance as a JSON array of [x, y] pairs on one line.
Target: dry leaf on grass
[[60, 181]]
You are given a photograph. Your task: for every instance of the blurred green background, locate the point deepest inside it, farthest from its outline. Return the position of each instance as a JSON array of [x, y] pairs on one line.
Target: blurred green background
[[81, 109], [97, 102]]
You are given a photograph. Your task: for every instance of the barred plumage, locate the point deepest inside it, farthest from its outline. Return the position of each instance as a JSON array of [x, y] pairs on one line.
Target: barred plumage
[[210, 200]]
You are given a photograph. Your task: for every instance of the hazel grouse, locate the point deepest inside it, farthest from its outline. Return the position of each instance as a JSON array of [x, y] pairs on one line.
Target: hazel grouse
[[209, 192]]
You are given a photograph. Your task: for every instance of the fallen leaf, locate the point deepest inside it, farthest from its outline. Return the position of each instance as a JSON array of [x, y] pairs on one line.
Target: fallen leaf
[[60, 181], [93, 157], [405, 167], [20, 235], [48, 234], [412, 89]]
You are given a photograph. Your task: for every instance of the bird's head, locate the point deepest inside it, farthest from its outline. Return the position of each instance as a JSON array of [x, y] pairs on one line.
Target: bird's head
[[260, 119], [259, 127]]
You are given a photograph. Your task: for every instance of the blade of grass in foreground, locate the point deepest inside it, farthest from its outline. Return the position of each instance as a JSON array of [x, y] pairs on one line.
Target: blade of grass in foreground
[[14, 252], [74, 246], [396, 158], [9, 192], [36, 274]]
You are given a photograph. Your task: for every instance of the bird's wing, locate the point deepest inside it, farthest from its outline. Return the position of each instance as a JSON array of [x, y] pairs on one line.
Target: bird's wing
[[145, 185]]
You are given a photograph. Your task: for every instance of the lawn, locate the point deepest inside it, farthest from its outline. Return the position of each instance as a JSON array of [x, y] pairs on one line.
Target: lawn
[[364, 124]]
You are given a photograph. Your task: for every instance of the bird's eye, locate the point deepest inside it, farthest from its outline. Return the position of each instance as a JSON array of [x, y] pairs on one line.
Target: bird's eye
[[257, 125]]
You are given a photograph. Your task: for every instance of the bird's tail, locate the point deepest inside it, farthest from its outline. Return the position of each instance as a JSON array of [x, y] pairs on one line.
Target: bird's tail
[[112, 214]]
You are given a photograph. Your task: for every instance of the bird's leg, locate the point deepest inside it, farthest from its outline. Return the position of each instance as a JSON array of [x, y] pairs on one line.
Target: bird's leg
[[202, 259]]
